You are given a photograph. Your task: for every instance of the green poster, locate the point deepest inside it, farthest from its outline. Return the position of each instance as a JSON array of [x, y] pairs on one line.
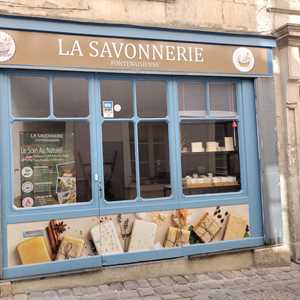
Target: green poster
[[48, 174]]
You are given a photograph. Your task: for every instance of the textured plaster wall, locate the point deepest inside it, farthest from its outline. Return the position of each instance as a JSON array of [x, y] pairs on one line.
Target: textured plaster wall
[[231, 15]]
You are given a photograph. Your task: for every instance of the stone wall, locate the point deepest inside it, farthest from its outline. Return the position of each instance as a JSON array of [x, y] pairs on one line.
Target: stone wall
[[259, 16]]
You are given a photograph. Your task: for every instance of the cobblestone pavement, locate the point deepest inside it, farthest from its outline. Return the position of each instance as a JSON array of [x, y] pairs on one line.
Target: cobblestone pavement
[[253, 284]]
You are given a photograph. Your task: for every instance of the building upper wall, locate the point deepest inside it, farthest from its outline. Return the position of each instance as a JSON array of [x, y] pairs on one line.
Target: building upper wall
[[258, 16]]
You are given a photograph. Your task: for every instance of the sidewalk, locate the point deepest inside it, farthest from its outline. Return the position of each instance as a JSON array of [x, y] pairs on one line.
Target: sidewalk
[[255, 284]]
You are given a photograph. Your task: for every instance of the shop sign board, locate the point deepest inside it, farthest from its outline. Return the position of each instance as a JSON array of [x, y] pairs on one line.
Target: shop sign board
[[105, 54]]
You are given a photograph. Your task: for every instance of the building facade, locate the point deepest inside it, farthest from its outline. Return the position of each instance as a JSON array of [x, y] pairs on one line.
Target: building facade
[[129, 136]]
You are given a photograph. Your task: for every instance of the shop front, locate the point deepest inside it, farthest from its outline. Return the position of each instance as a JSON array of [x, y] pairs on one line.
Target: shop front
[[122, 145]]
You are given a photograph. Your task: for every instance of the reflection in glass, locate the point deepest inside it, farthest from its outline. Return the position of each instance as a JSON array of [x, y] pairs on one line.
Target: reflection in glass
[[119, 161], [29, 96], [120, 93], [222, 98], [210, 157], [154, 159], [192, 100], [151, 99], [70, 97], [52, 163]]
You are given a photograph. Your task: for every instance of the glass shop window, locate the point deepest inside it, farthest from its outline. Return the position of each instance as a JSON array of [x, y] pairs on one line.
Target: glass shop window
[[120, 163], [116, 98], [154, 159], [29, 96], [192, 99], [151, 99], [210, 148], [70, 97], [51, 159], [52, 163]]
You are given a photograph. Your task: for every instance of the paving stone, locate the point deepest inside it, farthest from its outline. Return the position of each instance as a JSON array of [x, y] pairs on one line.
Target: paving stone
[[146, 291], [78, 291], [181, 288], [179, 279], [189, 294], [131, 285], [284, 276], [104, 288], [168, 280], [20, 297], [143, 283], [191, 278], [154, 282], [50, 295], [116, 286], [91, 290], [109, 296], [249, 272], [202, 277], [171, 297], [65, 292], [197, 285], [228, 274], [93, 297], [36, 296], [164, 289], [131, 294], [215, 276], [151, 298]]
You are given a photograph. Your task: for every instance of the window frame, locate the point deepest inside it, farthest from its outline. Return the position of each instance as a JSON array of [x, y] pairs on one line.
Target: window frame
[[98, 205], [71, 210]]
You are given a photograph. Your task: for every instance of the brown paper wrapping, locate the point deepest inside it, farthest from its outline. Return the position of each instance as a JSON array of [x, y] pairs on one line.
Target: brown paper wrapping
[[235, 228], [207, 228], [177, 237]]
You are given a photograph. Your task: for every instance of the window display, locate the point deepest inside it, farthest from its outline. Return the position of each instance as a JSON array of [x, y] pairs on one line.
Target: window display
[[144, 231], [209, 157], [51, 163]]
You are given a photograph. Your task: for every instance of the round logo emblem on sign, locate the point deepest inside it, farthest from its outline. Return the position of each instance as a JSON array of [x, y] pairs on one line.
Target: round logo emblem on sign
[[7, 46], [117, 107], [27, 172], [27, 202], [27, 187], [243, 59]]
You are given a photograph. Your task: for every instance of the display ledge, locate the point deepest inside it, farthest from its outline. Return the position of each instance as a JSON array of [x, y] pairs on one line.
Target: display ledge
[[95, 262]]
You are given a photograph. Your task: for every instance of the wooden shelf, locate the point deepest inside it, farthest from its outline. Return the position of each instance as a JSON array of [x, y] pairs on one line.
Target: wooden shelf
[[209, 185]]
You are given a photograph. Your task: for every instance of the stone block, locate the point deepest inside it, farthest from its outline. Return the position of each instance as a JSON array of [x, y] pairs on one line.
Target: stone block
[[5, 289], [272, 256]]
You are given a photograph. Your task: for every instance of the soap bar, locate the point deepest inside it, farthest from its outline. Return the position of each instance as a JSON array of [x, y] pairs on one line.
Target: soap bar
[[177, 237], [105, 238], [207, 228], [33, 251], [235, 228], [143, 236], [70, 247]]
